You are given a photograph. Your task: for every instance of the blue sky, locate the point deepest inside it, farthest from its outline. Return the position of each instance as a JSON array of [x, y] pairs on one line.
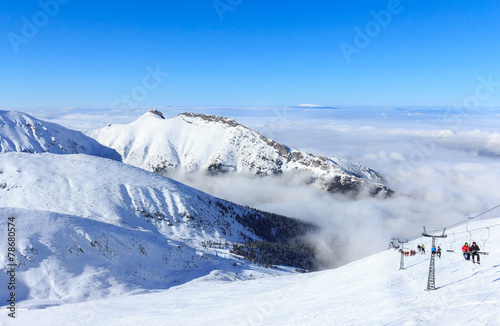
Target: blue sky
[[232, 52]]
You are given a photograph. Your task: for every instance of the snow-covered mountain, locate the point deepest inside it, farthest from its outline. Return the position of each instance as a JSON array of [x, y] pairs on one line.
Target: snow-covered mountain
[[371, 291], [119, 194], [192, 142], [20, 132], [107, 227]]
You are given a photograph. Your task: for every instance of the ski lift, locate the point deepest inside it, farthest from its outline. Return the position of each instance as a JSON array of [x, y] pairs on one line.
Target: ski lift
[[484, 242], [476, 233], [484, 252], [393, 243], [467, 229], [451, 244]]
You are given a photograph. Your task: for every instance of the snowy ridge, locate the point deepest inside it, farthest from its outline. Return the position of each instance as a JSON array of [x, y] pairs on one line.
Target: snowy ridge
[[192, 142], [20, 132]]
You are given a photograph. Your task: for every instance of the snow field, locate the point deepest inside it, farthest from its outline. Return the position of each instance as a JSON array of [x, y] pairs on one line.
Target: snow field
[[371, 291]]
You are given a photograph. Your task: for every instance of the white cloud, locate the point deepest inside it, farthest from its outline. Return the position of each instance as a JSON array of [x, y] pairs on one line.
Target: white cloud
[[440, 175]]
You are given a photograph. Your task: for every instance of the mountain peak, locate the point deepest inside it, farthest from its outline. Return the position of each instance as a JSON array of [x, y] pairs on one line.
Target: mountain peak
[[157, 113], [195, 141]]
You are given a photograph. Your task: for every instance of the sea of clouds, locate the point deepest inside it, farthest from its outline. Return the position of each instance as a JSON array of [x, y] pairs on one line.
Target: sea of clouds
[[443, 165]]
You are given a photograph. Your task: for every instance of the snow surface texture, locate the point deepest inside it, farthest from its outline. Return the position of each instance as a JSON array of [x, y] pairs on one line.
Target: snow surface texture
[[89, 226], [371, 291], [193, 142]]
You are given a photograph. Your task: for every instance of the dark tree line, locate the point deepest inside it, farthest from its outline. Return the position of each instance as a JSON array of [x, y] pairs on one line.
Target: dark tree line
[[273, 227], [282, 240], [297, 254]]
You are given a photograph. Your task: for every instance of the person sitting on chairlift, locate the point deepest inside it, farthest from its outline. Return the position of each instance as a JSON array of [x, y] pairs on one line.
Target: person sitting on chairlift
[[474, 249], [466, 251]]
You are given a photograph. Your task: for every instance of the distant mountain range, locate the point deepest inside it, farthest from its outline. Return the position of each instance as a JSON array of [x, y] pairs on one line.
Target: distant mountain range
[[314, 107], [189, 142], [193, 142]]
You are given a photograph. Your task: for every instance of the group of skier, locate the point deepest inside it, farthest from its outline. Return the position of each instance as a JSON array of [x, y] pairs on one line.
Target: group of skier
[[421, 249], [468, 251], [437, 251], [471, 252], [408, 253]]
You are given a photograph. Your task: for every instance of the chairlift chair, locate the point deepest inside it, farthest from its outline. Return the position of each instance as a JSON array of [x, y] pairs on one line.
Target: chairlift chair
[[451, 244]]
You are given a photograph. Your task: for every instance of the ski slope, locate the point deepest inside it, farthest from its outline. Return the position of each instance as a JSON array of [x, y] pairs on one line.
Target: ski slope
[[371, 291]]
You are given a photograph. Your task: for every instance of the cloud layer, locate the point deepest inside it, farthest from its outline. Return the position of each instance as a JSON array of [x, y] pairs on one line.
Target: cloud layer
[[442, 166]]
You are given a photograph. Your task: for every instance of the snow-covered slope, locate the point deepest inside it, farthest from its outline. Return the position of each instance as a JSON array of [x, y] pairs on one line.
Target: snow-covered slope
[[64, 258], [192, 142], [20, 132], [107, 227], [119, 194], [371, 291], [110, 192]]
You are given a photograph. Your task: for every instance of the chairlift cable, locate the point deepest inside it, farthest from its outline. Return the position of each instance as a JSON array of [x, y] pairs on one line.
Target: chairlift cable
[[489, 210], [470, 218]]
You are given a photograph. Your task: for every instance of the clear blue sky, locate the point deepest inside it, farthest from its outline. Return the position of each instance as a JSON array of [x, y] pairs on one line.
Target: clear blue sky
[[92, 53]]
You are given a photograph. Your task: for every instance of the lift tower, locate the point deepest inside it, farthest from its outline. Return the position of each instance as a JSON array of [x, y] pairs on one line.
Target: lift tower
[[402, 262], [431, 285]]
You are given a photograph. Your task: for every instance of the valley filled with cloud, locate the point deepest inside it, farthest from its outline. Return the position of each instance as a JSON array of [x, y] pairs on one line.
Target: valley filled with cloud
[[442, 164]]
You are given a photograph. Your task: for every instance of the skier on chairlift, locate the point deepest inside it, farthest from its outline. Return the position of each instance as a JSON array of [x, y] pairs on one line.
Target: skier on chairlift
[[466, 251], [474, 249]]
